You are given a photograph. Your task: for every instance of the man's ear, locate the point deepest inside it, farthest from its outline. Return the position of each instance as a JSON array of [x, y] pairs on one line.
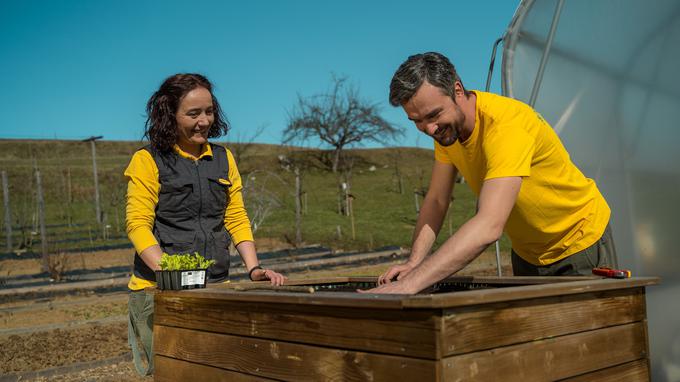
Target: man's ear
[[458, 89]]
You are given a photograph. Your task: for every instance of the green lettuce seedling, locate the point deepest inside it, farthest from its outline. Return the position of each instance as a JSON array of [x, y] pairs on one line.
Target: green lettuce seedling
[[184, 262]]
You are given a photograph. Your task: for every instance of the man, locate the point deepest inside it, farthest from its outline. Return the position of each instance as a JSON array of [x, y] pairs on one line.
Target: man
[[512, 159]]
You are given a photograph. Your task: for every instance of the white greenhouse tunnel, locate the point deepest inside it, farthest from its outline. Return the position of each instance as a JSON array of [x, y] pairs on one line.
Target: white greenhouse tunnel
[[608, 82]]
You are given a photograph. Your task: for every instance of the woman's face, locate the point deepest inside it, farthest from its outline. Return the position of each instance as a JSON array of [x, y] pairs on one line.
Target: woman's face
[[194, 119]]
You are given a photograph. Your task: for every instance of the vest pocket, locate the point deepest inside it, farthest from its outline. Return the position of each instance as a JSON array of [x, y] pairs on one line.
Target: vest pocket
[[175, 187], [179, 242], [176, 198], [219, 189]]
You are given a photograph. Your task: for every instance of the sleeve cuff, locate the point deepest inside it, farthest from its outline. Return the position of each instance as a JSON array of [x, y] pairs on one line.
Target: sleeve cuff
[[142, 239], [242, 235]]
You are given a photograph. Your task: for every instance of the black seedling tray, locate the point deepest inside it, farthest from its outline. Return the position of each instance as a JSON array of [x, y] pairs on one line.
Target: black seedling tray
[[182, 279]]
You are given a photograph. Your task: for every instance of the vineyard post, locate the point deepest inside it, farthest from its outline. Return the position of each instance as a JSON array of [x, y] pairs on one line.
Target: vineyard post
[[304, 203], [8, 215], [415, 195], [96, 182], [350, 199], [69, 198], [41, 218], [298, 209]]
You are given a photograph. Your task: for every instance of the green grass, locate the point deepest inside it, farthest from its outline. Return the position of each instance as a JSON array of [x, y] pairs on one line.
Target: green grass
[[382, 215]]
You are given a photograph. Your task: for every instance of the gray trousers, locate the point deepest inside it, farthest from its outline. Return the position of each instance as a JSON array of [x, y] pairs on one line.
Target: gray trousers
[[140, 330], [600, 254]]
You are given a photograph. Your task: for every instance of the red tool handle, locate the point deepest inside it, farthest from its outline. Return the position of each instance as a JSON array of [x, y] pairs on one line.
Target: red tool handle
[[612, 273]]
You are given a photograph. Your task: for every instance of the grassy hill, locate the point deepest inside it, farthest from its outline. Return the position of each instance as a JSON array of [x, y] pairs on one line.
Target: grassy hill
[[383, 214]]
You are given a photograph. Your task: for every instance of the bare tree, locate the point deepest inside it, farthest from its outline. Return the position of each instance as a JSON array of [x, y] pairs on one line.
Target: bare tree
[[261, 202], [339, 119], [298, 163]]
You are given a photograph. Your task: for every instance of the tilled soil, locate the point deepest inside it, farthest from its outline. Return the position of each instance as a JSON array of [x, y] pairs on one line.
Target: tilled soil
[[73, 311], [60, 347], [116, 372], [68, 262]]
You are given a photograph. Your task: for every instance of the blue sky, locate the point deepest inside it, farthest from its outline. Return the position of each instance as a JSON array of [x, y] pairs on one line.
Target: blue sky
[[72, 69]]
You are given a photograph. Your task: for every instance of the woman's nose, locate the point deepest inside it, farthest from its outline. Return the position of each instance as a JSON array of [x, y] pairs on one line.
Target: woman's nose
[[203, 120]]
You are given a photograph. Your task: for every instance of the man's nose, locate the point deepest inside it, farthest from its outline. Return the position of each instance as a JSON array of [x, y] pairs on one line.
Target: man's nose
[[427, 128], [430, 128]]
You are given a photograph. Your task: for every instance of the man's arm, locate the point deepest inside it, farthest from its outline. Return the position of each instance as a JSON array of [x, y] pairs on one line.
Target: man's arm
[[496, 201], [429, 221]]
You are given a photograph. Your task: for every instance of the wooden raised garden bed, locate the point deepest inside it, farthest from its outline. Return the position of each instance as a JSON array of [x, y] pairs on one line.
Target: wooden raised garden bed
[[464, 329]]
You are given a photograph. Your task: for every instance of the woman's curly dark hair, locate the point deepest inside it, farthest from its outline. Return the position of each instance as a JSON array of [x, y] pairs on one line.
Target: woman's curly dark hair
[[161, 124]]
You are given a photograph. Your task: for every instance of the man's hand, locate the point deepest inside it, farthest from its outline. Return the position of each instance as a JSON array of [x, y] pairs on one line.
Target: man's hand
[[396, 271], [395, 287]]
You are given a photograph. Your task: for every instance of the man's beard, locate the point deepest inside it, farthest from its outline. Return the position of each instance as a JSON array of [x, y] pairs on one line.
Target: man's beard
[[447, 134]]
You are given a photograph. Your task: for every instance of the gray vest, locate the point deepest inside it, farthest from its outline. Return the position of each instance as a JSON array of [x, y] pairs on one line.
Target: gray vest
[[190, 210]]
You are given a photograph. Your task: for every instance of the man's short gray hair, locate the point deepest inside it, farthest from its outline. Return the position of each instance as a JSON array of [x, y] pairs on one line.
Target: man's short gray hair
[[432, 67]]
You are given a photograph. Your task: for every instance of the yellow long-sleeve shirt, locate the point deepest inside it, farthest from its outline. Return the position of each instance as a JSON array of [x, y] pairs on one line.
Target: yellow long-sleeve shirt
[[142, 198]]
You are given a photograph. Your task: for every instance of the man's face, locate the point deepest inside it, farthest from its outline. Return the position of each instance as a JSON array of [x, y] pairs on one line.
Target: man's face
[[435, 114]]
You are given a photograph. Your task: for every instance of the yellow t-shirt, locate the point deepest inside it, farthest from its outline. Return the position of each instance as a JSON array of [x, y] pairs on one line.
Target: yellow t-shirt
[[142, 198], [558, 211]]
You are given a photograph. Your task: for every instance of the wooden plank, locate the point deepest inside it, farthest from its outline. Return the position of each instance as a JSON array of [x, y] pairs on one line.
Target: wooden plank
[[492, 325], [491, 280], [514, 280], [346, 299], [443, 300], [484, 296], [499, 280], [630, 372], [302, 282], [286, 361], [170, 369], [551, 359], [413, 333]]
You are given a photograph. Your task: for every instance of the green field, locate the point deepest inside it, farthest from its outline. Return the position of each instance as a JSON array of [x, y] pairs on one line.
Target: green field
[[382, 214]]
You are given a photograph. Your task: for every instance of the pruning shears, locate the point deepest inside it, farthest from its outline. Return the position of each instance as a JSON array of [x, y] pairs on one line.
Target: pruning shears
[[612, 273]]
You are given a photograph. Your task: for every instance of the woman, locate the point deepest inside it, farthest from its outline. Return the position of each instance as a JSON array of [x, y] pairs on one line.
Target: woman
[[184, 196]]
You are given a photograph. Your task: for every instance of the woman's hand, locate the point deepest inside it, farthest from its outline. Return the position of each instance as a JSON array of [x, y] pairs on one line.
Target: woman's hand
[[264, 274]]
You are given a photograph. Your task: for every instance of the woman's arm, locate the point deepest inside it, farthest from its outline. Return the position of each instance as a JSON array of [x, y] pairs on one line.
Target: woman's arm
[[249, 255], [238, 225], [142, 198]]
